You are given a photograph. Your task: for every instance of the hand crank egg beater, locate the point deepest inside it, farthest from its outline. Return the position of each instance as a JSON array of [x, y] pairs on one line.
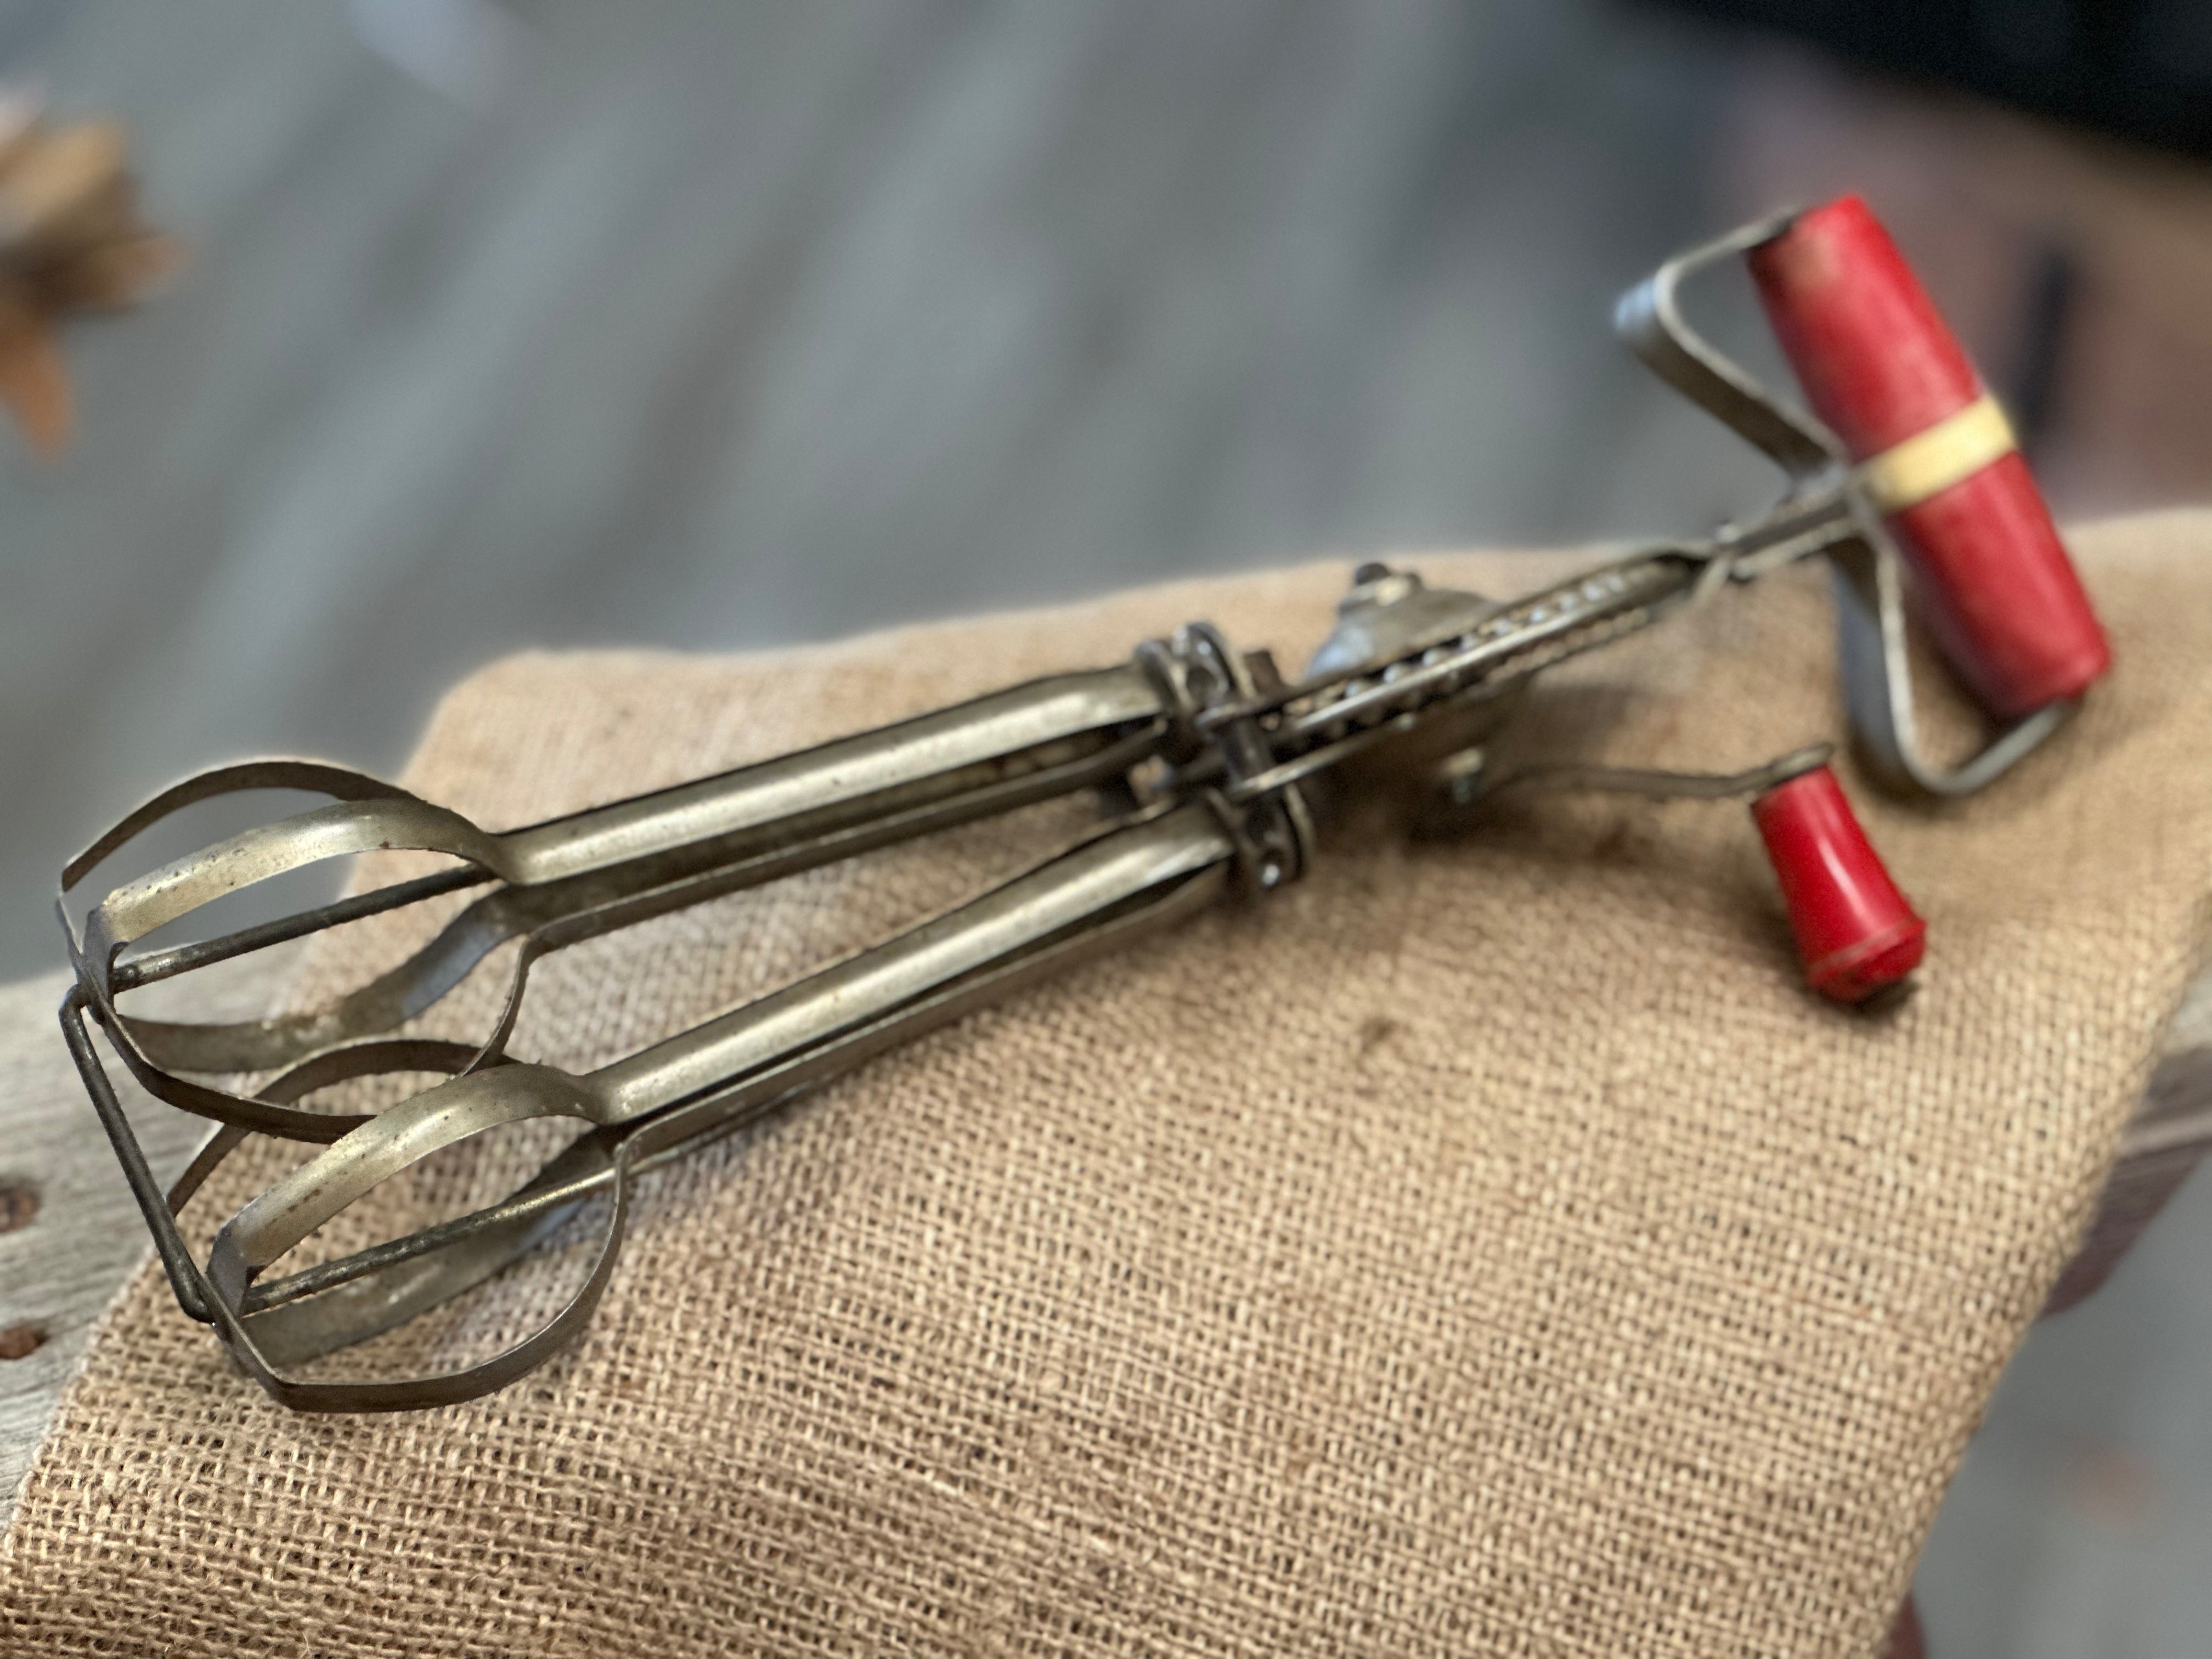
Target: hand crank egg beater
[[1215, 768]]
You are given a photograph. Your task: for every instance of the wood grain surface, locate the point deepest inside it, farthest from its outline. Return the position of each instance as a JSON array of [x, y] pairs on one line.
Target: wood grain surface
[[77, 1234]]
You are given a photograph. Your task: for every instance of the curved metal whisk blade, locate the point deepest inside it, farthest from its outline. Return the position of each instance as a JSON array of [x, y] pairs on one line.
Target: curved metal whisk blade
[[553, 884], [638, 1111]]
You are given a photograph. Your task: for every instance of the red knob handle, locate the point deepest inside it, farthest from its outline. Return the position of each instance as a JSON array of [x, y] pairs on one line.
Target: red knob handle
[[1856, 934], [1879, 365]]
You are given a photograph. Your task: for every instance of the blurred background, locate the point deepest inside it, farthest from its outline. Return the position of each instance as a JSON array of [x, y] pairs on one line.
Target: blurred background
[[538, 322]]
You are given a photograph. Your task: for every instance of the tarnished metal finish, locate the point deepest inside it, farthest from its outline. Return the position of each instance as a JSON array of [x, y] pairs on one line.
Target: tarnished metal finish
[[1410, 673], [1218, 770], [570, 878], [674, 1096]]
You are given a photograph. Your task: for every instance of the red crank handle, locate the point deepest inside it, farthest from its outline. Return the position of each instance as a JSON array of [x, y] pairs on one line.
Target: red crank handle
[[1882, 368], [1856, 932]]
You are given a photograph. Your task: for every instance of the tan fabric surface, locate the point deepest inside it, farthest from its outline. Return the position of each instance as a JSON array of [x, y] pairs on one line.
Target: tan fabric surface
[[1484, 1247]]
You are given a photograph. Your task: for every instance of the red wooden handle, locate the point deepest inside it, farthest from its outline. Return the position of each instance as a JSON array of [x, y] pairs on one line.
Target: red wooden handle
[[1879, 365], [1856, 932]]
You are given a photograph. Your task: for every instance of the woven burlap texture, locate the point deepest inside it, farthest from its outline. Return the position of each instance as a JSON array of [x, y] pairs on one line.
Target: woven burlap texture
[[1484, 1246]]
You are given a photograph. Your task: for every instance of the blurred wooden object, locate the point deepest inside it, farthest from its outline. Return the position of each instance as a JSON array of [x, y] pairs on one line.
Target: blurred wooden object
[[70, 240]]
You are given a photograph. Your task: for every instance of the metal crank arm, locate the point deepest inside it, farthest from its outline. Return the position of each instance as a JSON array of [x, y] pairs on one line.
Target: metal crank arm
[[1875, 661]]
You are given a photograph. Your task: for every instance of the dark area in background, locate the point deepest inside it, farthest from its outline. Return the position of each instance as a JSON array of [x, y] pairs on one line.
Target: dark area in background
[[2142, 69]]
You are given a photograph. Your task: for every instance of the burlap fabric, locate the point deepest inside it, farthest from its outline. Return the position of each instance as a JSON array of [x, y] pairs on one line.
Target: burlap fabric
[[1485, 1247]]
